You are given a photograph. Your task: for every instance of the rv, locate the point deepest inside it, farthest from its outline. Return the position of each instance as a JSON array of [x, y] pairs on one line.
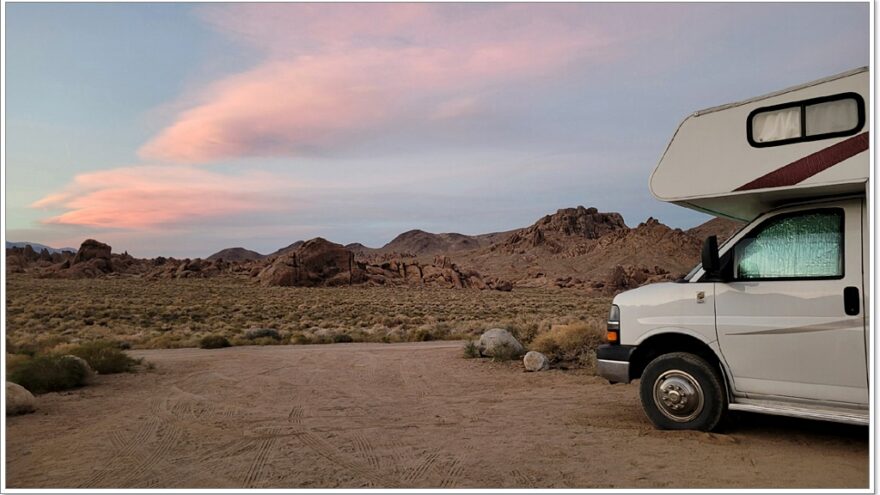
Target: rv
[[775, 320]]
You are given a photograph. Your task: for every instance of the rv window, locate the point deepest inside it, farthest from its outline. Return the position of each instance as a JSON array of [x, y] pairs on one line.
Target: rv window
[[807, 120], [777, 125], [805, 245], [831, 116]]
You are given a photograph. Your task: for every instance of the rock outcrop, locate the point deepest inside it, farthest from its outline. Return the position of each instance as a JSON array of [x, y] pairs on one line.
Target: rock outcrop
[[556, 231], [90, 250], [574, 248], [235, 254], [627, 277], [316, 263]]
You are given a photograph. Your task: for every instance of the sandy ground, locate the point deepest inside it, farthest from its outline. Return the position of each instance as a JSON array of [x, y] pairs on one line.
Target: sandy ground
[[396, 415]]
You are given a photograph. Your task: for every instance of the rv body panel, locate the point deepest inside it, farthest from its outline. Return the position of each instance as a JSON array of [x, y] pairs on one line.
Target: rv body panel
[[794, 338], [711, 165], [687, 309], [782, 320]]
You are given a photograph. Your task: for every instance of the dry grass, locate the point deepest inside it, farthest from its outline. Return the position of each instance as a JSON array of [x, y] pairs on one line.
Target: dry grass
[[571, 345], [44, 314]]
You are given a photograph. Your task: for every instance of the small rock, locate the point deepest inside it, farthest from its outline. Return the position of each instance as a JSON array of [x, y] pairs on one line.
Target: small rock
[[535, 361], [503, 286], [18, 400]]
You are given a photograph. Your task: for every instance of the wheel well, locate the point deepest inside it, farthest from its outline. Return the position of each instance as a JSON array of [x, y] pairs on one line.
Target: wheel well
[[665, 343]]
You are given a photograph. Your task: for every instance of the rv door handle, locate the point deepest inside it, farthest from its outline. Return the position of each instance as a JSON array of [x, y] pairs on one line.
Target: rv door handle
[[851, 300]]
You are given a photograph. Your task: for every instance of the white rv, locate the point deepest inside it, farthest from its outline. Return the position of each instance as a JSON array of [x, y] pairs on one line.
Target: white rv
[[775, 320]]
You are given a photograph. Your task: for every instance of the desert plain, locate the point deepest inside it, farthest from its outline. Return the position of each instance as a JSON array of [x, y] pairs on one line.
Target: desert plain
[[349, 367], [369, 415]]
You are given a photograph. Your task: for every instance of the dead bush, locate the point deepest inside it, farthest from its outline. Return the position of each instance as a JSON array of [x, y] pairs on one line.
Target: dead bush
[[506, 352], [105, 357], [573, 344], [214, 342]]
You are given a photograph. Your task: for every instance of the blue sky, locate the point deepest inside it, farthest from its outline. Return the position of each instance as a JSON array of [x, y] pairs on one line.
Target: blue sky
[[181, 129]]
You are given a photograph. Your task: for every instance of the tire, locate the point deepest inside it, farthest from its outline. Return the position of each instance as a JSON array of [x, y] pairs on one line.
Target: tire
[[682, 391]]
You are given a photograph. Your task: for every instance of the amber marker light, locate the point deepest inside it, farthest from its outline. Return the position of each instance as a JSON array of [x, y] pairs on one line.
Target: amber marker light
[[613, 333]]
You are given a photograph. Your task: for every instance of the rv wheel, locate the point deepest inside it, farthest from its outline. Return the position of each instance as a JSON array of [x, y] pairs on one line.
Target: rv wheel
[[682, 391]]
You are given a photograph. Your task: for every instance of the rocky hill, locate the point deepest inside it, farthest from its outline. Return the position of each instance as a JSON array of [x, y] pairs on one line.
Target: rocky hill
[[419, 243], [721, 227], [236, 254], [572, 248], [287, 249]]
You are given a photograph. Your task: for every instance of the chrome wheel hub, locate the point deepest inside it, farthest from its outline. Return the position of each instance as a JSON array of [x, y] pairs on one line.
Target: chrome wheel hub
[[678, 395]]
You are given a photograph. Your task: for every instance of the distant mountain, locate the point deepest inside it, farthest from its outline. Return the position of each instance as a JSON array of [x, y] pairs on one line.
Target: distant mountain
[[419, 243], [39, 247], [283, 250], [573, 247], [577, 246], [236, 254]]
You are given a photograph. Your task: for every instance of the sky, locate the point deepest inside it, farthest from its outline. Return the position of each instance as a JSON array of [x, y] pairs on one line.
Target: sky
[[182, 129]]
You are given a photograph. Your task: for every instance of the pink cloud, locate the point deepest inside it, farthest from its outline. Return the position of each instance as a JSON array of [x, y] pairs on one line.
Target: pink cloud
[[334, 72], [149, 196]]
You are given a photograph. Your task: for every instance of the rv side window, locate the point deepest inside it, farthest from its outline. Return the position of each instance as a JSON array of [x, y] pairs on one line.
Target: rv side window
[[803, 245], [807, 120]]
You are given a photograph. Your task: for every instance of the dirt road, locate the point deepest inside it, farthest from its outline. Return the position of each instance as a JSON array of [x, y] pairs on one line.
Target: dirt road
[[396, 415]]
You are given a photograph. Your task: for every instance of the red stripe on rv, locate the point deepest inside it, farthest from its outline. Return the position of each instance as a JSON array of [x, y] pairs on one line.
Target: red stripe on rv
[[810, 165]]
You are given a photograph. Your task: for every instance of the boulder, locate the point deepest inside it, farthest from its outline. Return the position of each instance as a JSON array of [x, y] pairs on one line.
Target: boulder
[[18, 400], [498, 341], [92, 249], [535, 361]]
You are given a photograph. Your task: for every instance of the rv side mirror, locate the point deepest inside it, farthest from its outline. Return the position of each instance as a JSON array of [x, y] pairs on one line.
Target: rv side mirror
[[711, 263]]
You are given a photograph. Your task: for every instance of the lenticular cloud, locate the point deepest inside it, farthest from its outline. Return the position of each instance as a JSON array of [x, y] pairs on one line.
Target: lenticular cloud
[[333, 73]]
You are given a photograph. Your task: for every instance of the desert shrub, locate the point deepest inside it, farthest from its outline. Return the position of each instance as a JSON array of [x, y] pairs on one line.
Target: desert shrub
[[421, 335], [214, 342], [471, 350], [259, 333], [575, 344], [48, 373], [265, 341], [341, 338], [14, 360], [105, 357], [168, 341], [299, 338], [505, 352]]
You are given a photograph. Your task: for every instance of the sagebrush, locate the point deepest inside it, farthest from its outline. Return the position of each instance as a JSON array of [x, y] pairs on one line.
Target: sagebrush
[[43, 314], [573, 344], [46, 373], [105, 357]]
